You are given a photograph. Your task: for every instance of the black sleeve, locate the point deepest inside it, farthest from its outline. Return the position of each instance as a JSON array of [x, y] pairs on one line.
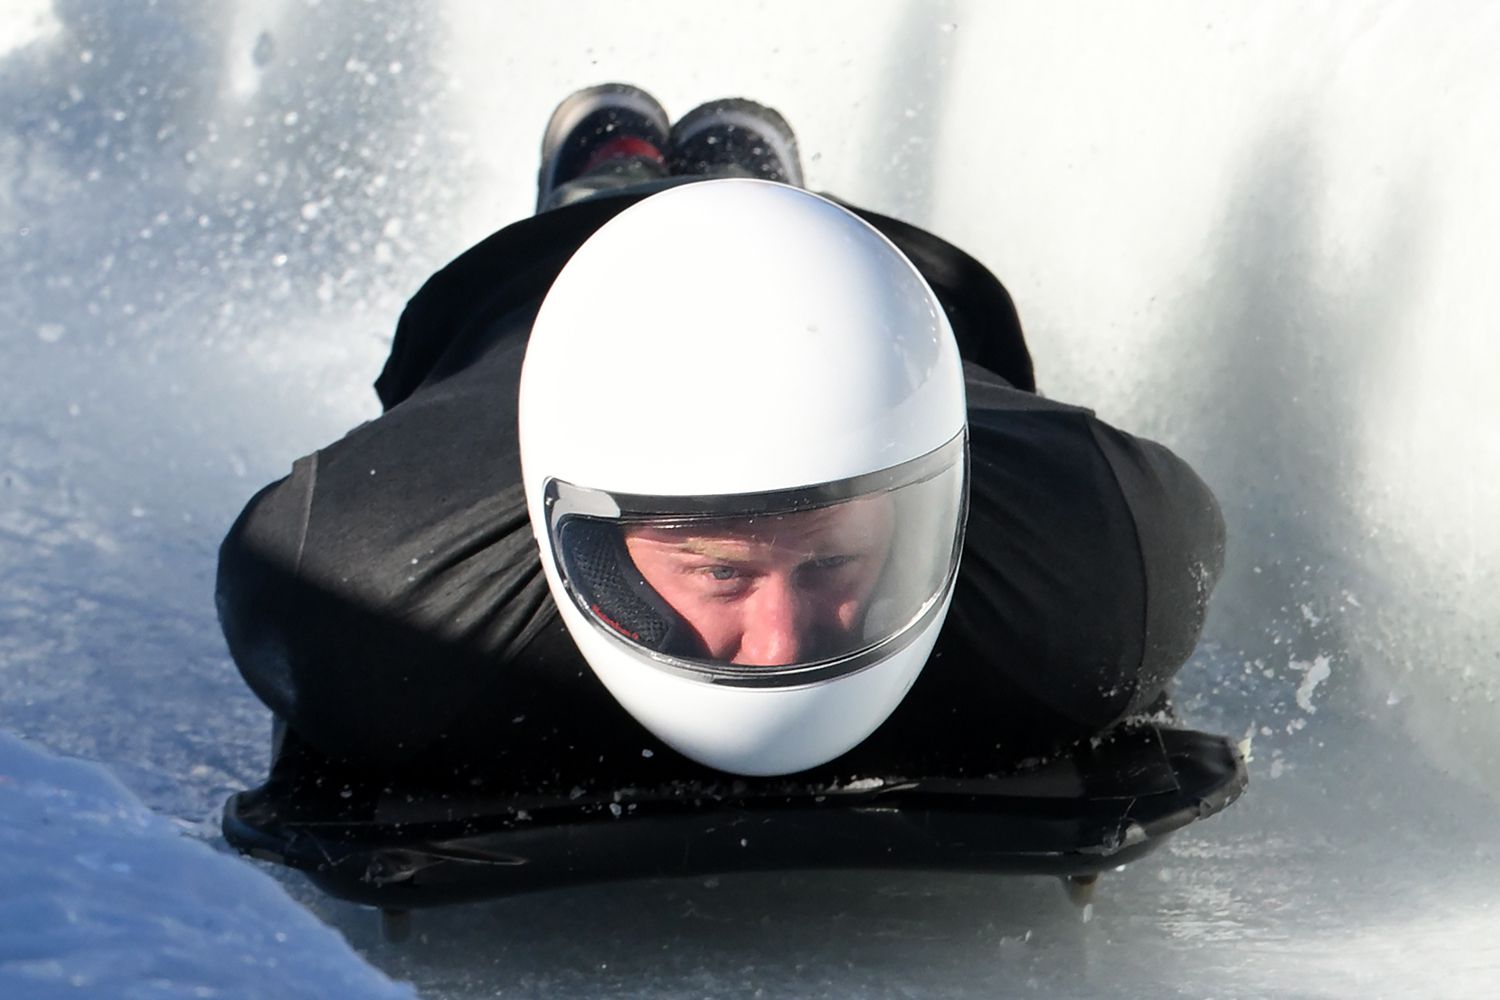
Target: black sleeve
[[257, 574], [1180, 531], [384, 589], [390, 585], [1088, 561]]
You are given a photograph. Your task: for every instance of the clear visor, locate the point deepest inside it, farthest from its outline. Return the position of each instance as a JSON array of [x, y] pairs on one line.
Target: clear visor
[[767, 589]]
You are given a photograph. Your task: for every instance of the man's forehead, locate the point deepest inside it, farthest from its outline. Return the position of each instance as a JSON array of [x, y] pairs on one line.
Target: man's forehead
[[789, 528]]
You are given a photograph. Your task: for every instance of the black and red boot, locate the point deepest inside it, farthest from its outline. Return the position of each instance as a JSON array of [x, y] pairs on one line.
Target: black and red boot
[[611, 130]]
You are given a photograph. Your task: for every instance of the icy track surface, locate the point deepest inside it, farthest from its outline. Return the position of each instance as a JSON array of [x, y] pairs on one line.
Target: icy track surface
[[1262, 233]]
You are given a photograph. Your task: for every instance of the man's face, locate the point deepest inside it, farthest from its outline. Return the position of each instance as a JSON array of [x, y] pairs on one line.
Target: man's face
[[771, 591]]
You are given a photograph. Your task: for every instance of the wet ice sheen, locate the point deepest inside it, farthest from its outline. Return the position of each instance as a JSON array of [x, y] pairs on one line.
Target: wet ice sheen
[[1268, 244]]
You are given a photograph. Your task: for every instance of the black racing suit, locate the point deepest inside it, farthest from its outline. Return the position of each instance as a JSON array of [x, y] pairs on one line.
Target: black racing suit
[[386, 599]]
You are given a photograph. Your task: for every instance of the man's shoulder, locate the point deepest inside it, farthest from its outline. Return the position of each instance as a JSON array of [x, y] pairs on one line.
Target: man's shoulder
[[539, 243], [979, 309], [989, 393], [507, 271]]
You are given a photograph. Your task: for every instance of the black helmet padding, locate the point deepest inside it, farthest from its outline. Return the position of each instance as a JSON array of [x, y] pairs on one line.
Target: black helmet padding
[[597, 564]]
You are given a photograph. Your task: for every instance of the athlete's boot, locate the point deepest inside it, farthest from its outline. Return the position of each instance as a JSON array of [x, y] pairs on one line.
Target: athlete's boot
[[736, 138], [612, 128]]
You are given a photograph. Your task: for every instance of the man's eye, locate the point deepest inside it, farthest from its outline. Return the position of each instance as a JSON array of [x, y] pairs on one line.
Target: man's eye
[[830, 562], [721, 573]]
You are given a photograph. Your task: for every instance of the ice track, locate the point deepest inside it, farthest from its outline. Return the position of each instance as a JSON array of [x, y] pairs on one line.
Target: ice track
[[1265, 236]]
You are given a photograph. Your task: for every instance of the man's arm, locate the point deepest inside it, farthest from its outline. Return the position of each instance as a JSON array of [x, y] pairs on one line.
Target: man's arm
[[383, 589], [1088, 561], [1180, 531]]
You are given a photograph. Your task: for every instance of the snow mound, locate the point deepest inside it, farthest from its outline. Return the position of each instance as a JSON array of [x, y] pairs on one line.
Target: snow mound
[[100, 897]]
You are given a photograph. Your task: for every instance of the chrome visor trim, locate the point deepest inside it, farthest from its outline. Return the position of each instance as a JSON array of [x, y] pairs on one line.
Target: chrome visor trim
[[563, 498]]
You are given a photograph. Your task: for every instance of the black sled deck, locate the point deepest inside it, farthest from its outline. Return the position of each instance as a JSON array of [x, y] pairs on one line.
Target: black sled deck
[[1104, 803]]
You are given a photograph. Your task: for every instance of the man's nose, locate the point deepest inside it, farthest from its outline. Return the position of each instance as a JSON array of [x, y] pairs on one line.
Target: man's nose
[[773, 624]]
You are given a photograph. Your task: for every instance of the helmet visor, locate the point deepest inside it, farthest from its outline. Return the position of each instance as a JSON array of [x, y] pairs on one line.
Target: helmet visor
[[771, 589]]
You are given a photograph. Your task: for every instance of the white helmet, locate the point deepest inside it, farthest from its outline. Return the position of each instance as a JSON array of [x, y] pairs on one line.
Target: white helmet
[[743, 440]]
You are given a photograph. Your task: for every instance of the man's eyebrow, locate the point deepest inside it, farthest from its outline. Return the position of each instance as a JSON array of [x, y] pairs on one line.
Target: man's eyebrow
[[694, 546]]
